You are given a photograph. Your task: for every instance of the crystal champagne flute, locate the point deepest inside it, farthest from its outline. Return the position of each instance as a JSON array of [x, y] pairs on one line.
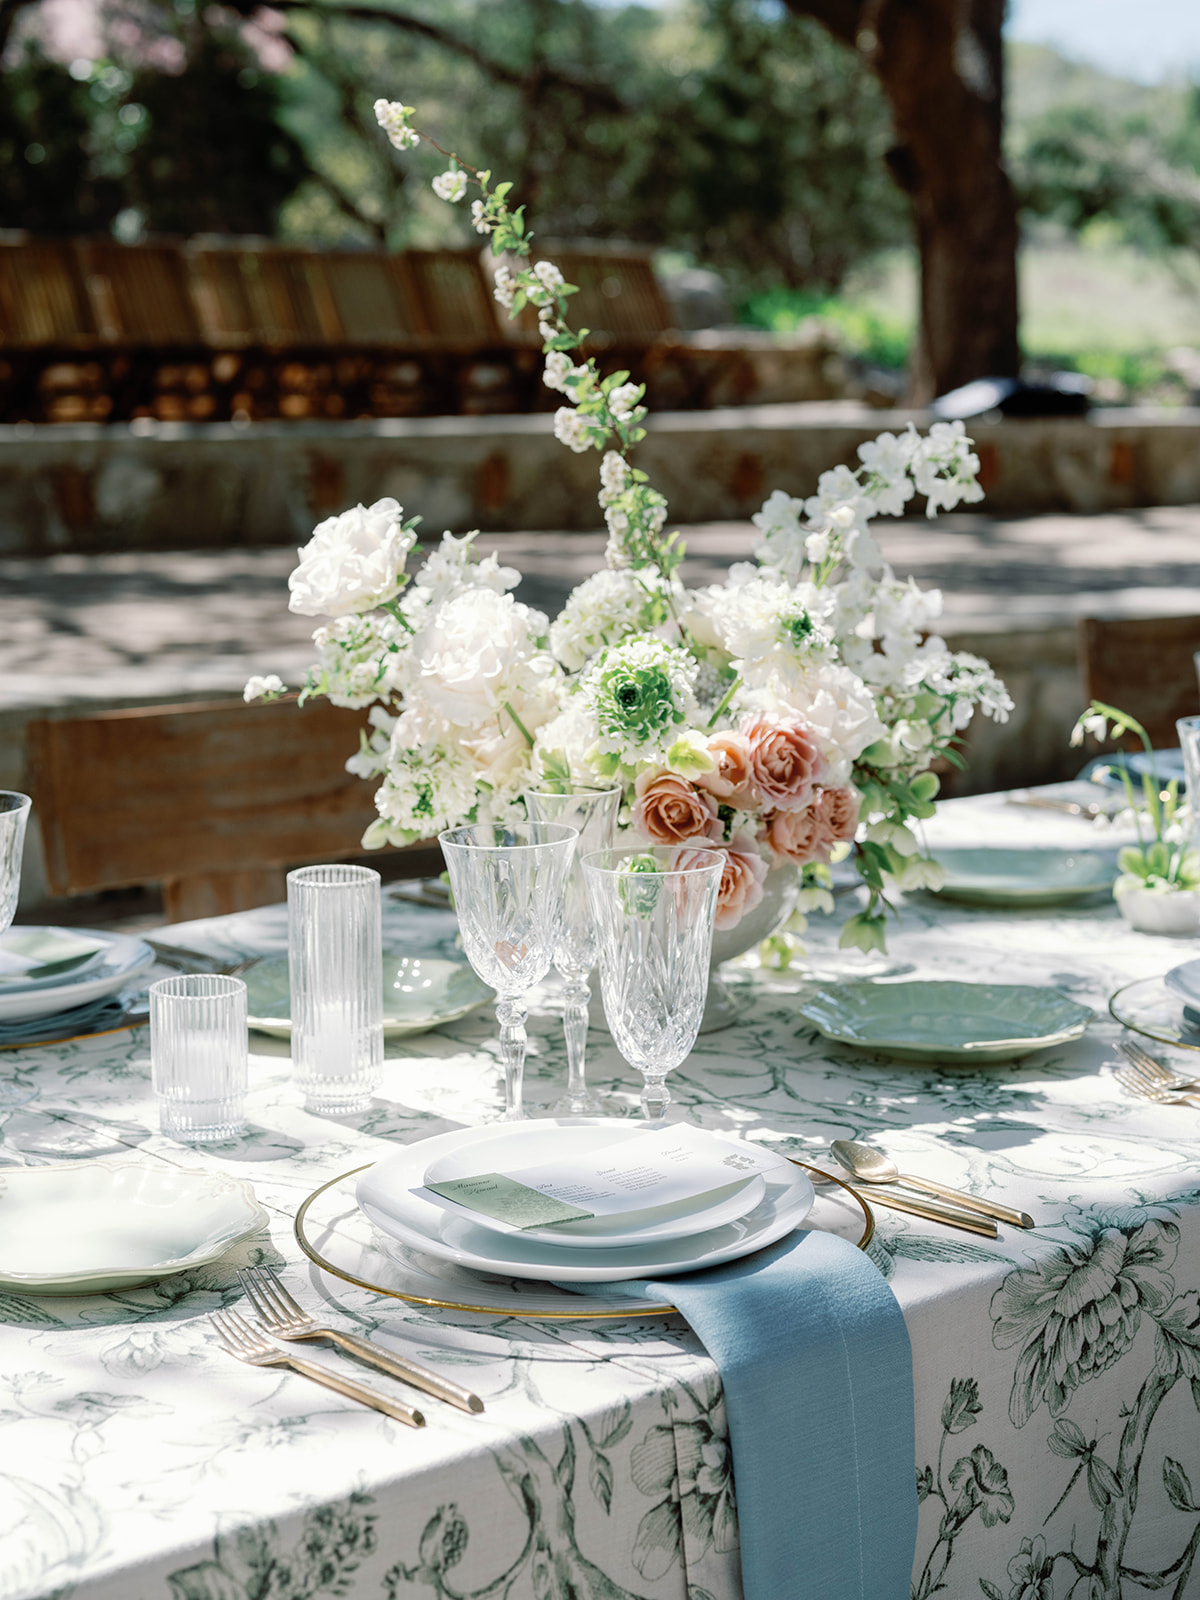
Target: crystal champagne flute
[[654, 912], [508, 881], [14, 814], [594, 813]]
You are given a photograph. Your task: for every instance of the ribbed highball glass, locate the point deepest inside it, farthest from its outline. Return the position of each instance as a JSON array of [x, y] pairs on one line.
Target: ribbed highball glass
[[199, 1055], [508, 882], [14, 814], [593, 812], [335, 966], [654, 912]]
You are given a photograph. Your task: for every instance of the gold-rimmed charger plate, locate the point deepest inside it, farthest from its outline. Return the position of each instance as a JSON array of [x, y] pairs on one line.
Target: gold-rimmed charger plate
[[1148, 1007], [335, 1236]]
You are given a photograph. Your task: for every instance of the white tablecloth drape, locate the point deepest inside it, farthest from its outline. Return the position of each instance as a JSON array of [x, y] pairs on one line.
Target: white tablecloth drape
[[1057, 1372]]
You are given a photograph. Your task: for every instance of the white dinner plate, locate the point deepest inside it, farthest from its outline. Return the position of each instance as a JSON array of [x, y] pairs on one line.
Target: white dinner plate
[[101, 1225], [126, 958], [512, 1146], [62, 968], [419, 993], [787, 1200]]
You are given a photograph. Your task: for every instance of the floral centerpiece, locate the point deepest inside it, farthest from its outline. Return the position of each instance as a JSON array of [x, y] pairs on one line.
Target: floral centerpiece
[[786, 715]]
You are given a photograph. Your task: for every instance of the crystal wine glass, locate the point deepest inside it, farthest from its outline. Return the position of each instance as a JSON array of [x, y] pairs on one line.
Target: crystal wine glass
[[14, 814], [508, 881], [654, 912], [593, 812]]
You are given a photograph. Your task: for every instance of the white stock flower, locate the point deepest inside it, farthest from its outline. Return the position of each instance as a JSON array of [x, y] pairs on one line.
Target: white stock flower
[[623, 401], [614, 475], [504, 286], [393, 117], [887, 460], [261, 688], [449, 569], [429, 785], [356, 661], [450, 185], [783, 538], [576, 432], [352, 562]]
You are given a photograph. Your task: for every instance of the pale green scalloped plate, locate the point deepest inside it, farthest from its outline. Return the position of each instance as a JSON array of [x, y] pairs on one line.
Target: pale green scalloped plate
[[419, 993], [944, 1022], [995, 876]]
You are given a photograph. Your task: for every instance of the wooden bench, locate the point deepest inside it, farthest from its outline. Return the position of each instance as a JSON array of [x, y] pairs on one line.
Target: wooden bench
[[214, 801]]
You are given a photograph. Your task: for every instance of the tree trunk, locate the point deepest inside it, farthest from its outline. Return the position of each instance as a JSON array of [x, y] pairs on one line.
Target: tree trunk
[[941, 65]]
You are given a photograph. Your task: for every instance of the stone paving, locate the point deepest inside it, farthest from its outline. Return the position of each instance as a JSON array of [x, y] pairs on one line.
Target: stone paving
[[121, 626]]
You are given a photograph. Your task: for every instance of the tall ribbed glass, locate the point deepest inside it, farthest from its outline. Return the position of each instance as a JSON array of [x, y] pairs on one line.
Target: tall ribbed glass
[[14, 814], [335, 963], [199, 1055]]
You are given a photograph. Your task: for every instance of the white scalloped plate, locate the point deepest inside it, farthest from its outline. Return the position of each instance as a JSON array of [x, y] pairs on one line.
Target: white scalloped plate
[[100, 1225]]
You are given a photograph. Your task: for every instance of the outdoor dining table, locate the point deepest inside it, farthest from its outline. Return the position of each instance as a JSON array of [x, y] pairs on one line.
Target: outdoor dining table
[[1057, 1370]]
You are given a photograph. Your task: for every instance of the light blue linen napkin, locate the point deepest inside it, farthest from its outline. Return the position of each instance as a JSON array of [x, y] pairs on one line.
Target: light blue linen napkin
[[92, 1017], [816, 1367]]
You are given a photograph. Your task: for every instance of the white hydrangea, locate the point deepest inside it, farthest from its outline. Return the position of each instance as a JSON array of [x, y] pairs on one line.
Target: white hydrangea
[[450, 185], [603, 610], [393, 117], [352, 562], [475, 651]]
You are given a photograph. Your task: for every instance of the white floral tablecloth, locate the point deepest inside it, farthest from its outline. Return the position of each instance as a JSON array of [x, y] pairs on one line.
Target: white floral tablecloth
[[1057, 1372]]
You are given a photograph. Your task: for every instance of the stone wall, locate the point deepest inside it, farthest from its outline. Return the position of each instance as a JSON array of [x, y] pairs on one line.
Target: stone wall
[[180, 486]]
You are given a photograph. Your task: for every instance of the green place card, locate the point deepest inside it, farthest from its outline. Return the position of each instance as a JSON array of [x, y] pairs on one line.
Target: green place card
[[494, 1195]]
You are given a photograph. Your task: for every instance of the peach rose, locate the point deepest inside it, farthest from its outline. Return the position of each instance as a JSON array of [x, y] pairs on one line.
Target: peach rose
[[741, 881], [730, 779], [668, 809], [798, 835], [838, 811], [786, 763]]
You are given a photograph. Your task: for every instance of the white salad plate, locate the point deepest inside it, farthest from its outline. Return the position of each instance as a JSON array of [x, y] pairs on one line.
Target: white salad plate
[[123, 959], [1000, 876], [511, 1147], [419, 1224], [419, 993], [79, 950], [101, 1225], [944, 1022]]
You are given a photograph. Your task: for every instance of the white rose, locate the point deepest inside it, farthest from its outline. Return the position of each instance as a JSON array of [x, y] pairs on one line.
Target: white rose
[[352, 562], [473, 654]]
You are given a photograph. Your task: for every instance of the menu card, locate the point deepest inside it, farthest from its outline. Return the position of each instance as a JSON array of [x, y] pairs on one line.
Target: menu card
[[647, 1171]]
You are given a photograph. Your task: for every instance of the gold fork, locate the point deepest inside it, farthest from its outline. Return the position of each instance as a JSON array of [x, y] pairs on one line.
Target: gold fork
[[240, 1340], [1154, 1069], [286, 1318], [1145, 1089]]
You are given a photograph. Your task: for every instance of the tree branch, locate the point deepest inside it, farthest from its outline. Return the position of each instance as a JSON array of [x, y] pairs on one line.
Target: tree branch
[[598, 95]]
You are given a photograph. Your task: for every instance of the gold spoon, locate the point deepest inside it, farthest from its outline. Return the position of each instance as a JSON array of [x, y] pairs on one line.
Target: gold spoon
[[872, 1166]]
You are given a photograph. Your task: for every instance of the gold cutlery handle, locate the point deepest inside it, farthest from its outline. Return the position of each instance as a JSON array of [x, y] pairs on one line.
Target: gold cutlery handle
[[356, 1391], [408, 1371], [968, 1202], [967, 1220]]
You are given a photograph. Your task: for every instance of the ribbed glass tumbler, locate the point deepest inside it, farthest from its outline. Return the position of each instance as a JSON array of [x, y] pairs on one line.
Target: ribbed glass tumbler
[[199, 1055], [335, 964], [14, 814]]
